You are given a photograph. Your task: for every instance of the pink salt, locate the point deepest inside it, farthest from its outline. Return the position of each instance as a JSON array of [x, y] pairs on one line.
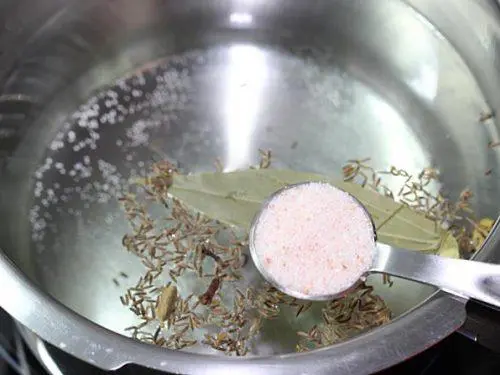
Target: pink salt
[[315, 240]]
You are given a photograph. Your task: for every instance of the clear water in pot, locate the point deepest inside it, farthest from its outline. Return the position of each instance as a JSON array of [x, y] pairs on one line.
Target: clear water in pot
[[317, 88]]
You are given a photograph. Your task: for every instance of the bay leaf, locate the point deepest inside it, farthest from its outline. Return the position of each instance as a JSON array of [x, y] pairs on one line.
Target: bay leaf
[[449, 247], [235, 197]]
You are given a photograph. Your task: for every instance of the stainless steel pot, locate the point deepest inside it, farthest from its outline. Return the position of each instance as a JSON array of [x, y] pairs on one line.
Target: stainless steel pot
[[318, 82]]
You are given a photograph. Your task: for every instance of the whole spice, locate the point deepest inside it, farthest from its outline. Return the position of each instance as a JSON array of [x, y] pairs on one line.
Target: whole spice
[[214, 195], [166, 302], [481, 231], [207, 297], [485, 116], [194, 239], [344, 318]]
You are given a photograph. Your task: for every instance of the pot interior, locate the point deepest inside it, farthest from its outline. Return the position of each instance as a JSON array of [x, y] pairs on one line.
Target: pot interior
[[103, 88]]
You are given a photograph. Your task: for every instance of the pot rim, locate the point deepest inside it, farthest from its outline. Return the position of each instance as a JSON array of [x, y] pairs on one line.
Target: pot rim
[[426, 324], [411, 333], [436, 318]]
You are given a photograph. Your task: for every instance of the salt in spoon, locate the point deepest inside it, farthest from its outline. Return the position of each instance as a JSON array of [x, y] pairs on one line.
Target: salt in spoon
[[293, 233]]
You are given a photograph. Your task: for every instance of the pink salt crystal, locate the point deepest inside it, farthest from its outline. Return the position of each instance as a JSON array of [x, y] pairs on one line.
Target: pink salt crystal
[[315, 240]]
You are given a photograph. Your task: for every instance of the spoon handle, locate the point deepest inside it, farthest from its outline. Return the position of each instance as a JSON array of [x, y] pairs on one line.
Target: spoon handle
[[464, 278]]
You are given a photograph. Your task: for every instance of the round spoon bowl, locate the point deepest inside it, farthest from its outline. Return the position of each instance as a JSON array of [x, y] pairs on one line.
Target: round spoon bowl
[[463, 278], [307, 209]]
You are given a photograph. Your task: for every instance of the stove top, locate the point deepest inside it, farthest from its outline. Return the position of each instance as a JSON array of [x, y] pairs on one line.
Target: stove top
[[456, 355]]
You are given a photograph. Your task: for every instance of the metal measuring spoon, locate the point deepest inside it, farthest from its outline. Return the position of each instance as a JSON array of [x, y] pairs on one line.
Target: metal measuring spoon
[[464, 278]]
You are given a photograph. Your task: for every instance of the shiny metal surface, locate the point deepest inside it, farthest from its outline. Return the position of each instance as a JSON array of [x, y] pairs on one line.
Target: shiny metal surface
[[463, 278], [314, 81], [361, 355]]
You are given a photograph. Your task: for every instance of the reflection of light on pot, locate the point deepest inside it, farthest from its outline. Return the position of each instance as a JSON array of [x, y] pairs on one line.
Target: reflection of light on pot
[[246, 75], [423, 76], [46, 358], [241, 18], [420, 62], [425, 81], [405, 147]]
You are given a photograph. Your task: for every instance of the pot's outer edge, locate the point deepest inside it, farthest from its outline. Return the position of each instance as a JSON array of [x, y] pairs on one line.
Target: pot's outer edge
[[408, 335], [380, 348]]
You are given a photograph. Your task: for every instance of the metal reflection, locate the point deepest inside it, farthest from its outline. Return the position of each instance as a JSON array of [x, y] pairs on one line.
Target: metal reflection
[[246, 76]]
